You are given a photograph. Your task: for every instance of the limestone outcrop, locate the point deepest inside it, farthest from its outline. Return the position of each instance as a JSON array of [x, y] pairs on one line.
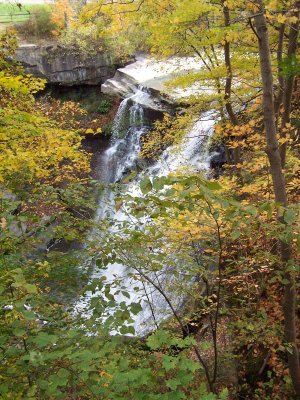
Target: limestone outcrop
[[63, 66]]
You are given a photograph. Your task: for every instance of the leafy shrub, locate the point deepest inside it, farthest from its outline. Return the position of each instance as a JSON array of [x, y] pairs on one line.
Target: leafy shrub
[[38, 25], [83, 41], [104, 106]]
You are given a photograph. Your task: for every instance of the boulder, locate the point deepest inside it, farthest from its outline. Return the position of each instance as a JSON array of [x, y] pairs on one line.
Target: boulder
[[217, 159]]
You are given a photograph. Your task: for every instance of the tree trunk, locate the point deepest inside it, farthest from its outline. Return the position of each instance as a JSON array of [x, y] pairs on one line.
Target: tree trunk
[[279, 98], [289, 82], [289, 302], [66, 20], [228, 84]]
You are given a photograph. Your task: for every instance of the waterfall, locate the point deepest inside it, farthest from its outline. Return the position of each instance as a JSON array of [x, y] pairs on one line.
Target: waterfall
[[118, 123], [120, 158], [127, 129], [136, 115], [191, 153], [115, 161]]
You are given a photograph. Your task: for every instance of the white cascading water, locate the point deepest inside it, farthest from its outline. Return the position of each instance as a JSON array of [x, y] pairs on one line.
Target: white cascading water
[[119, 158], [127, 129], [125, 141], [191, 153]]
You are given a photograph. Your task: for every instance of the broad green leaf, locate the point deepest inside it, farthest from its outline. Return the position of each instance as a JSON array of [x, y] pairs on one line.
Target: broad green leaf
[[289, 216], [145, 185], [135, 308]]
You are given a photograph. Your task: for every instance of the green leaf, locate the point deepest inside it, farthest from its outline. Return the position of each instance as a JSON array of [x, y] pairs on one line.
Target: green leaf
[[224, 394], [235, 234], [125, 294], [173, 383], [19, 332], [31, 289], [289, 216], [43, 339], [63, 373], [135, 308], [206, 345], [252, 210], [209, 396], [189, 365], [145, 185], [159, 182], [127, 329], [290, 66], [266, 207], [169, 362], [29, 315], [158, 339], [129, 177], [43, 384], [58, 381], [213, 185]]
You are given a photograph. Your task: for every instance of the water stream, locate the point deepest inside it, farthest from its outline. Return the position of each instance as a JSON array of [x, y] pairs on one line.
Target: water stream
[[120, 158]]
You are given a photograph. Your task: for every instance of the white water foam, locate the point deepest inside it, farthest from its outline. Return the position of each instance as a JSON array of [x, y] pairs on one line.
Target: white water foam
[[121, 157]]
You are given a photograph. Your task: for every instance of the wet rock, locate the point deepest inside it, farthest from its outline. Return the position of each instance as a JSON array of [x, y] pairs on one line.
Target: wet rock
[[217, 158], [126, 83], [142, 164]]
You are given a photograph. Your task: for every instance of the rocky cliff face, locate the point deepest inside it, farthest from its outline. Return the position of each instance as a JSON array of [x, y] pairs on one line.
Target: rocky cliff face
[[63, 66]]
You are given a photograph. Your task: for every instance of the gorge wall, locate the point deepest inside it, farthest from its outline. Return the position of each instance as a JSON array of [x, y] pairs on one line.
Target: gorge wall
[[63, 66]]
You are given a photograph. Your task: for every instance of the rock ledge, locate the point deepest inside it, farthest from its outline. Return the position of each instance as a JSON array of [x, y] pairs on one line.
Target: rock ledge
[[63, 66]]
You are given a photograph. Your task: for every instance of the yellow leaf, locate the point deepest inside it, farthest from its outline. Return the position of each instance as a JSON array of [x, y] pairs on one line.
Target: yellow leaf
[[3, 223]]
